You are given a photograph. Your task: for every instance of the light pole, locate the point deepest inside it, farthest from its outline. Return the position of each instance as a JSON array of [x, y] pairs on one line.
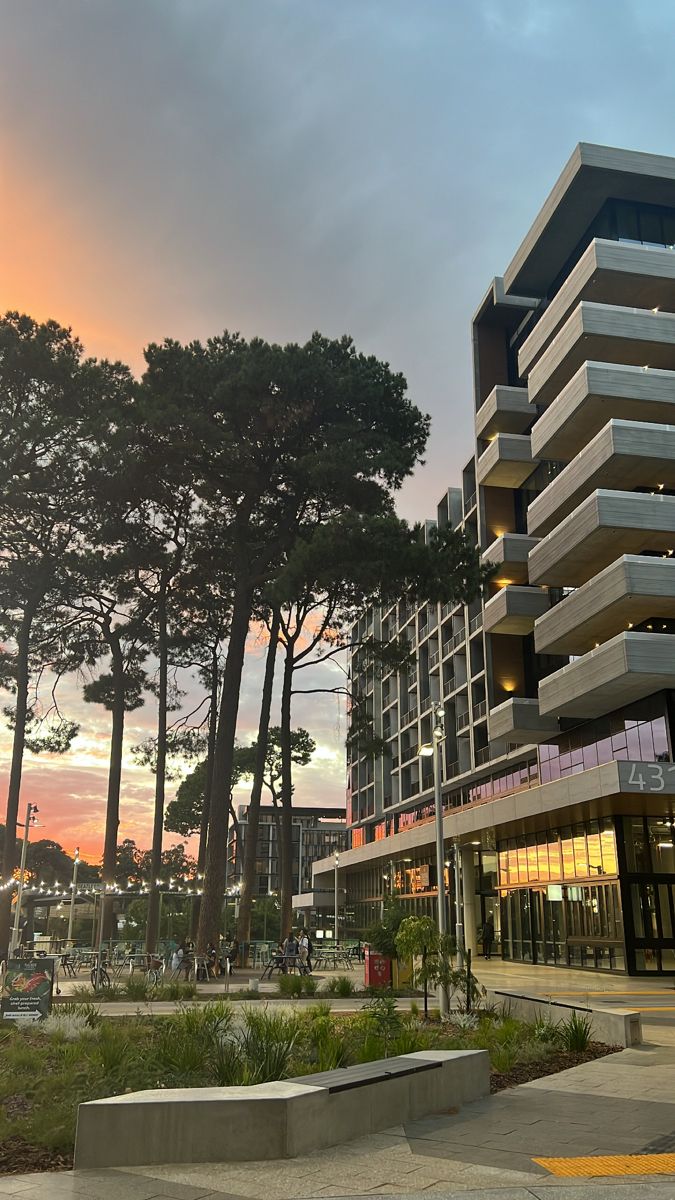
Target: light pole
[[434, 749], [73, 890], [31, 810], [459, 924], [337, 867]]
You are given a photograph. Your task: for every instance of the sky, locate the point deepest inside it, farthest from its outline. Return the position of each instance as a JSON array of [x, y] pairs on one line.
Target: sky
[[177, 167]]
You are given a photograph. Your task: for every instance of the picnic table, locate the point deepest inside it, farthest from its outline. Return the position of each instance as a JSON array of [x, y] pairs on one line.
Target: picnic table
[[332, 957], [283, 963]]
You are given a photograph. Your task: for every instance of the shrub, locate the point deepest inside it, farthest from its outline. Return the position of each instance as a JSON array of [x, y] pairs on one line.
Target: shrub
[[503, 1058], [66, 1026], [290, 985], [545, 1030], [344, 986], [266, 1040], [575, 1033], [310, 985]]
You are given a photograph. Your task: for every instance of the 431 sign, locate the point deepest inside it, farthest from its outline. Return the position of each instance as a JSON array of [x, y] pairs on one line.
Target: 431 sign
[[648, 777]]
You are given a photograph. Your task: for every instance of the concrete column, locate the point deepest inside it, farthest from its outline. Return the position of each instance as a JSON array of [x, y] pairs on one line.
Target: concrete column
[[469, 898]]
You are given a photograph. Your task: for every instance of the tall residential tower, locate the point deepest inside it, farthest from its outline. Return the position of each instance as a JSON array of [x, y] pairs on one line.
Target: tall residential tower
[[558, 773]]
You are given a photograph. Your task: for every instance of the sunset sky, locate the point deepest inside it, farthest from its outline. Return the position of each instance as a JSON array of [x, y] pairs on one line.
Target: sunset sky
[[175, 167]]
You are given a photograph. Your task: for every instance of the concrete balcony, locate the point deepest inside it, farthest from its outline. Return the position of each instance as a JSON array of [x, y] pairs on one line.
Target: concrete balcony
[[514, 610], [628, 592], [507, 462], [602, 528], [627, 668], [608, 272], [625, 454], [506, 410], [509, 554], [595, 393], [518, 720], [603, 333]]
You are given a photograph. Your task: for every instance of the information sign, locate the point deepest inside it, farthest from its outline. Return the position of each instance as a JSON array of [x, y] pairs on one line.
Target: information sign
[[27, 989]]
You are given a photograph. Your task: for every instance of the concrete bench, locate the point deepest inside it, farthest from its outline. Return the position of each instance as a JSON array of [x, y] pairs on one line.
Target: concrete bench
[[276, 1120]]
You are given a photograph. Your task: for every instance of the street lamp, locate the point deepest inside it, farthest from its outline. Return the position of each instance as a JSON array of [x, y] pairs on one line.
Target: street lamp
[[337, 867], [433, 750], [73, 889], [31, 810]]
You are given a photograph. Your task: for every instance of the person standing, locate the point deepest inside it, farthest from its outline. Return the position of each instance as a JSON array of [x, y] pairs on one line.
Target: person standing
[[488, 937]]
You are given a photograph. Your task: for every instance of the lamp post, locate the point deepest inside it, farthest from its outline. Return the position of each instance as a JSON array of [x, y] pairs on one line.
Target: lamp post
[[73, 890], [433, 750], [337, 867], [31, 810]]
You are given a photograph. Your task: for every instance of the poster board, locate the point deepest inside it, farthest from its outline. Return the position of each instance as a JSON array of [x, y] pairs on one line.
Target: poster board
[[27, 989]]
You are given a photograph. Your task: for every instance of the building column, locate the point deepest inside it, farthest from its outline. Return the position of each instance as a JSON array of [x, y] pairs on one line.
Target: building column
[[469, 898]]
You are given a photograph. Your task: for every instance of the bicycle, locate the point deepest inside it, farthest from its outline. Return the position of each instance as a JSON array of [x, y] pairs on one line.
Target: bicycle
[[104, 980]]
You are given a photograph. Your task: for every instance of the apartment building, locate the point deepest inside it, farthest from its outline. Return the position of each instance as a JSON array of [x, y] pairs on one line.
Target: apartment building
[[557, 686], [317, 833]]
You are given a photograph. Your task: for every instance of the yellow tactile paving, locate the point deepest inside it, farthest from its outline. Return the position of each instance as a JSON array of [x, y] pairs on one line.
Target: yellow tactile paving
[[610, 1164]]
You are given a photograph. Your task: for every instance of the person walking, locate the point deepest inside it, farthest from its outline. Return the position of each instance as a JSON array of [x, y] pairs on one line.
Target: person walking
[[488, 938]]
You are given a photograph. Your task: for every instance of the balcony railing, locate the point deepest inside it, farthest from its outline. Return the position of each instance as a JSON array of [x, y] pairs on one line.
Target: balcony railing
[[446, 610], [394, 761], [458, 638], [476, 623], [463, 720], [479, 710], [469, 503], [412, 679], [408, 754], [410, 715], [434, 658], [482, 755], [452, 769]]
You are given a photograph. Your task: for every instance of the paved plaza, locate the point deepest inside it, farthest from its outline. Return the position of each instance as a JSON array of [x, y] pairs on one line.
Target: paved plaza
[[620, 1110]]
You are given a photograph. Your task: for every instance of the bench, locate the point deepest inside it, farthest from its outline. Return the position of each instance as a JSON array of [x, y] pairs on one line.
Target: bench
[[276, 1120]]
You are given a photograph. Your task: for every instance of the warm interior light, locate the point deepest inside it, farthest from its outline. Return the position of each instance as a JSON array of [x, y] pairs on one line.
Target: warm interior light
[[508, 685], [425, 751], [502, 583]]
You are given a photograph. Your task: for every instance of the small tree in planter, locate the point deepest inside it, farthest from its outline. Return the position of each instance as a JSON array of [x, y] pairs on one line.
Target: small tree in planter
[[416, 939], [382, 937]]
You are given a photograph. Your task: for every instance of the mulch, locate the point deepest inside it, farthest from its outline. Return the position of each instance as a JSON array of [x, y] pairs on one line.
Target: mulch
[[19, 1157], [560, 1060]]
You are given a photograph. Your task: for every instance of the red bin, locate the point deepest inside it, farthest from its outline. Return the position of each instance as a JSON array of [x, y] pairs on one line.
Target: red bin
[[378, 969]]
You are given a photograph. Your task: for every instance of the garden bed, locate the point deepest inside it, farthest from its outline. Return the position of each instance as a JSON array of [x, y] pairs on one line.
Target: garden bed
[[560, 1060], [80, 1054]]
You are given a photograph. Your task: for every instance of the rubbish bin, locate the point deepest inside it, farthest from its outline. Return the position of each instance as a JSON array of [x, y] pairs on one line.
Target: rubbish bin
[[378, 969]]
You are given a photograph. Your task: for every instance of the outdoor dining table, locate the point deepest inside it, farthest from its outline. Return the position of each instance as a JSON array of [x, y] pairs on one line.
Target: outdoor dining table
[[332, 957], [281, 963]]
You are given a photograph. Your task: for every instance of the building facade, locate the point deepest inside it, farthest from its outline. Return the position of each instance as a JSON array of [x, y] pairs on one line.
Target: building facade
[[317, 833], [557, 685]]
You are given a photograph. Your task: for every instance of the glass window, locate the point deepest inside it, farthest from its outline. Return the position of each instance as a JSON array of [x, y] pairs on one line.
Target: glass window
[[567, 849], [554, 858], [608, 844], [637, 848], [650, 227], [594, 850], [666, 915], [580, 852], [661, 846]]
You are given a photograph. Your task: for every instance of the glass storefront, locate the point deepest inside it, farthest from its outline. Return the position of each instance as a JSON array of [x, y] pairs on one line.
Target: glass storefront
[[647, 849], [560, 897]]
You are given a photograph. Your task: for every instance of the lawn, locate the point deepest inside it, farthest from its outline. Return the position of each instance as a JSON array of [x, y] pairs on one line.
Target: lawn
[[78, 1054]]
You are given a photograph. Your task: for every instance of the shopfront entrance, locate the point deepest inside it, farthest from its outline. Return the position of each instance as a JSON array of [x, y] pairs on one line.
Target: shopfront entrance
[[570, 925]]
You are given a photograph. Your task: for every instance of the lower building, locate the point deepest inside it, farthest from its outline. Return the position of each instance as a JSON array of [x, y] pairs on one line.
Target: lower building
[[555, 689], [317, 832]]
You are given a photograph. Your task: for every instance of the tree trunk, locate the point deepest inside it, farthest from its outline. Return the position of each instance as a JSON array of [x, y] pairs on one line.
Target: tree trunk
[[208, 786], [152, 927], [252, 830], [112, 813], [216, 851], [286, 847], [14, 789]]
